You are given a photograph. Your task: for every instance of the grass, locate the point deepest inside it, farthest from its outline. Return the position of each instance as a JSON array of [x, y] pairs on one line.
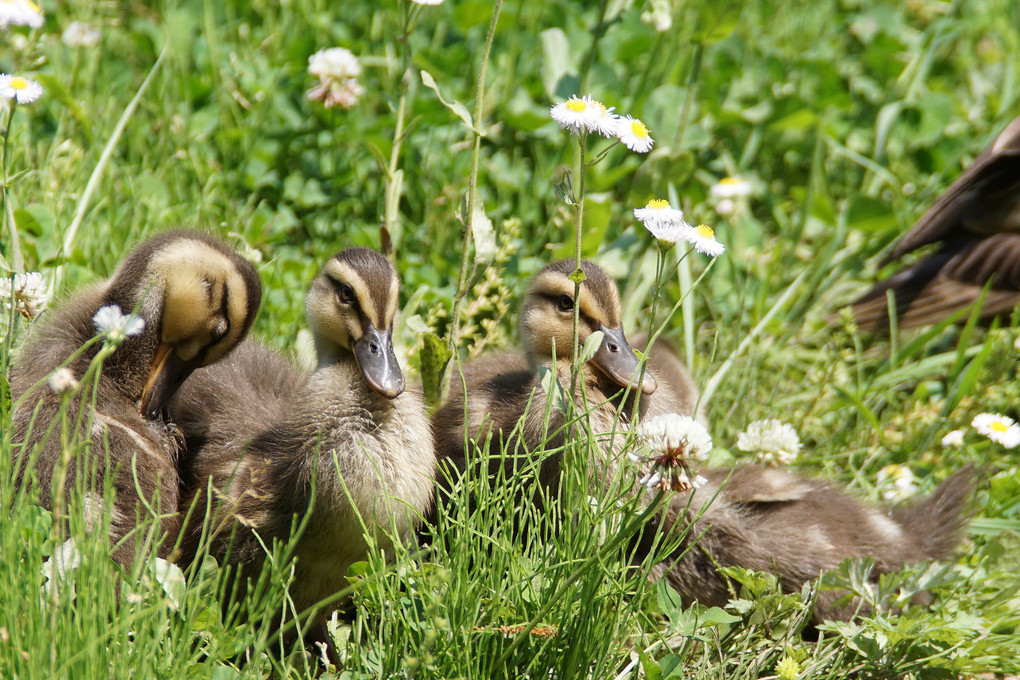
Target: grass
[[847, 117]]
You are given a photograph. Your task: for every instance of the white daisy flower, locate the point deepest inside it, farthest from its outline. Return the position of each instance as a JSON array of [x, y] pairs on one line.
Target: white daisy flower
[[80, 34], [116, 325], [22, 90], [896, 482], [667, 224], [578, 114], [997, 427], [725, 207], [62, 381], [773, 441], [675, 441], [703, 238], [26, 294], [337, 70], [606, 121], [20, 13], [634, 135], [954, 439], [731, 187]]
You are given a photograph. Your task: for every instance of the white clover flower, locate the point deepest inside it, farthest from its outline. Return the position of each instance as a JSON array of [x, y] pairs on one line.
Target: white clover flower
[[20, 13], [659, 15], [999, 428], [731, 187], [773, 441], [80, 34], [22, 90], [703, 238], [605, 121], [62, 381], [117, 326], [675, 441], [26, 294], [896, 482], [337, 70], [954, 438], [578, 114], [634, 135]]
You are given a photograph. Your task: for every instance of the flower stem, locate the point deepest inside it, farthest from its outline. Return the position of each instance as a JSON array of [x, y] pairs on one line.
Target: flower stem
[[17, 261], [575, 367], [466, 269]]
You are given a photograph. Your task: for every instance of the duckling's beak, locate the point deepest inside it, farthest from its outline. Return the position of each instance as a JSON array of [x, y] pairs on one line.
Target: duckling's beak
[[378, 363], [617, 360], [168, 372]]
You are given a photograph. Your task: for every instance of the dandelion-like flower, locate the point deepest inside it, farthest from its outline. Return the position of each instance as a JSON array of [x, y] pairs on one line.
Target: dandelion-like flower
[[20, 89], [634, 135], [62, 381], [731, 187], [116, 325], [337, 70], [997, 427], [773, 441], [703, 238], [675, 441], [80, 34], [664, 222], [26, 294], [20, 13], [954, 439], [896, 482], [578, 114]]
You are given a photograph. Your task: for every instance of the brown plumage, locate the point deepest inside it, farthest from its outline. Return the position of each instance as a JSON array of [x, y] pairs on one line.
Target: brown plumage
[[263, 435], [977, 221], [774, 521], [503, 389], [198, 299]]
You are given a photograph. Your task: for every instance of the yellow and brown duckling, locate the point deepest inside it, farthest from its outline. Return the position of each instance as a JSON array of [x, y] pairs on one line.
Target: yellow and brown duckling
[[347, 446], [503, 389], [977, 222], [194, 300]]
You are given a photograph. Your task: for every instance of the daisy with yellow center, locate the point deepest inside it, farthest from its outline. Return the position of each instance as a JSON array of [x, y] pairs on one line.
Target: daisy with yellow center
[[578, 115], [665, 222], [21, 90], [634, 135], [897, 482], [605, 120], [703, 238], [997, 427], [731, 187], [20, 13]]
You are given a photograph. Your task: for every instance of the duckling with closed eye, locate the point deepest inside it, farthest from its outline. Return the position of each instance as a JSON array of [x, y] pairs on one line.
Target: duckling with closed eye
[[500, 388], [197, 299], [346, 446]]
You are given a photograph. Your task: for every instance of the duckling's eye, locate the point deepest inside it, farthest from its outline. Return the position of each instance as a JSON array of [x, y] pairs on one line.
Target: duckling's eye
[[565, 303], [345, 293]]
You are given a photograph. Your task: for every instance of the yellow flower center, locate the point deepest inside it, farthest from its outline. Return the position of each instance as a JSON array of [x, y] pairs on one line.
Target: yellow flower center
[[658, 203], [639, 129], [999, 426], [18, 83], [705, 231], [730, 181], [576, 105]]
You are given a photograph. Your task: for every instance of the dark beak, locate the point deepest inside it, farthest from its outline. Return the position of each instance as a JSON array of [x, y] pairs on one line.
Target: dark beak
[[167, 374], [378, 363], [617, 360]]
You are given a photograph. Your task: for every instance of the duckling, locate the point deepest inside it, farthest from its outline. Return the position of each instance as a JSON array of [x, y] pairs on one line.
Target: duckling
[[774, 521], [197, 299], [977, 221], [503, 388], [343, 446]]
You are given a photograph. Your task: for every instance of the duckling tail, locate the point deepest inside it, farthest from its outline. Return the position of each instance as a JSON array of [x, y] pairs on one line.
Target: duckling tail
[[939, 519]]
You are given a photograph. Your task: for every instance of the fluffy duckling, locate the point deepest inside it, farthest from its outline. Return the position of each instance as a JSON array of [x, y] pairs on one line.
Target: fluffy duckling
[[343, 446], [795, 527], [197, 299], [977, 221], [504, 388]]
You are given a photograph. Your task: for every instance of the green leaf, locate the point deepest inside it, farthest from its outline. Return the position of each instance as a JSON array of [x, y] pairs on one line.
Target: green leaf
[[555, 59], [458, 109], [591, 346], [55, 88], [435, 355]]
